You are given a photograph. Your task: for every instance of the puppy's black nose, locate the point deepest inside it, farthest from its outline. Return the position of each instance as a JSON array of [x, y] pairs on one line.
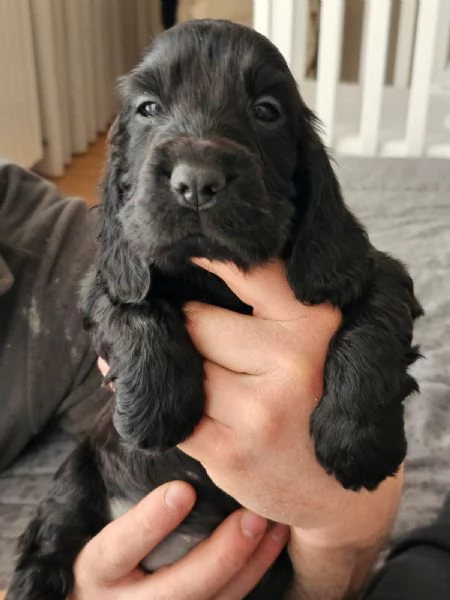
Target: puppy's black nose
[[196, 186]]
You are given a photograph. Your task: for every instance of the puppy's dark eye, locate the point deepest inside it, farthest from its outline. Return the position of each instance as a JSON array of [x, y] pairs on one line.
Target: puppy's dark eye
[[149, 109], [265, 111]]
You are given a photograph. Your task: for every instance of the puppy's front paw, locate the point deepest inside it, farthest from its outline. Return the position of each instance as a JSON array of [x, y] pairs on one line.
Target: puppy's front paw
[[359, 453], [158, 381], [171, 406]]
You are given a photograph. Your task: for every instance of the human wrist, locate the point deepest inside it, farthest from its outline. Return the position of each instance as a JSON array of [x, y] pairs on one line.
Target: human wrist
[[334, 561], [355, 520], [338, 573]]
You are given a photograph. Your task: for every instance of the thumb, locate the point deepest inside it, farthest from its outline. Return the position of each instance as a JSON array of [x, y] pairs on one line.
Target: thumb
[[119, 548], [264, 287]]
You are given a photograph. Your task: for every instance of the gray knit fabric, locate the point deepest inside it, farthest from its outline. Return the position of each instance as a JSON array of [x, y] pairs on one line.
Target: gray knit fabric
[[46, 362], [47, 367]]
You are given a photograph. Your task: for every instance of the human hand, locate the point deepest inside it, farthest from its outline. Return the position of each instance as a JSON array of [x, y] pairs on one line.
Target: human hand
[[264, 377], [226, 566]]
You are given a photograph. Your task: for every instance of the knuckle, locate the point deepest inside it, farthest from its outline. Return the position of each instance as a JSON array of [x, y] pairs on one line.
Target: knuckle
[[229, 560], [105, 554], [260, 562]]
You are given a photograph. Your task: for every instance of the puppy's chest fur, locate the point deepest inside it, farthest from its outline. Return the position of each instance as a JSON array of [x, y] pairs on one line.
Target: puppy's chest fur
[[128, 475]]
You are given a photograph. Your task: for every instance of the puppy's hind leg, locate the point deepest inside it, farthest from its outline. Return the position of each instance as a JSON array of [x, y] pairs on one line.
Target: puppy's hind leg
[[72, 513]]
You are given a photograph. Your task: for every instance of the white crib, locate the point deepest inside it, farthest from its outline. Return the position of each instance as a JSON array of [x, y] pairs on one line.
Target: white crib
[[59, 59], [410, 117]]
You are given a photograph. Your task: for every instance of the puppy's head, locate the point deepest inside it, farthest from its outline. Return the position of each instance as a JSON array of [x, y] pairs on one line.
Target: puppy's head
[[214, 154]]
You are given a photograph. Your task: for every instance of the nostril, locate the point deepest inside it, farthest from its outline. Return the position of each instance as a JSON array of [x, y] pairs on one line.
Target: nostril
[[196, 185], [212, 185], [210, 189], [182, 188]]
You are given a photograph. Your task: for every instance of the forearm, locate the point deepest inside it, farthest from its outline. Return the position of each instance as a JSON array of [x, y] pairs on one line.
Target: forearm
[[335, 563]]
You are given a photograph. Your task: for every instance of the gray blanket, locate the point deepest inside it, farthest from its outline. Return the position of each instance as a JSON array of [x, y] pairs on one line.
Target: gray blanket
[[406, 207]]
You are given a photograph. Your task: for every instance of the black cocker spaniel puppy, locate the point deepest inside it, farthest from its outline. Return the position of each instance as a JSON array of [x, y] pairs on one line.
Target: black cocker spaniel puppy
[[215, 154]]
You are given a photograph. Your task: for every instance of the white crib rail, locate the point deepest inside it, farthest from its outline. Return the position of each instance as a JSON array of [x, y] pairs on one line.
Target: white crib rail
[[329, 63], [405, 42], [414, 141], [373, 69], [410, 117]]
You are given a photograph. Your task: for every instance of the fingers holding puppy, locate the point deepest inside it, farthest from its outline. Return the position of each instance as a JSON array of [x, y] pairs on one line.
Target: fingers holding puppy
[[226, 566]]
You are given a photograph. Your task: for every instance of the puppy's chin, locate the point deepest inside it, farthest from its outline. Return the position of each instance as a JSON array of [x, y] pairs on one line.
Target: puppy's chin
[[247, 230]]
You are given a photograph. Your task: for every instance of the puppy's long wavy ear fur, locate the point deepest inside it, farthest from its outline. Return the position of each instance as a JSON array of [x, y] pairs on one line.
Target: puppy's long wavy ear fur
[[124, 273], [328, 260]]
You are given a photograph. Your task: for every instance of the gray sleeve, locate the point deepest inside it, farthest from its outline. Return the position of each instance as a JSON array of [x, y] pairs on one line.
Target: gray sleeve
[[418, 567], [47, 366]]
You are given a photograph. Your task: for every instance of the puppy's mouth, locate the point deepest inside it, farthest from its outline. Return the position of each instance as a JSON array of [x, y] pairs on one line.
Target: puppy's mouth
[[201, 199]]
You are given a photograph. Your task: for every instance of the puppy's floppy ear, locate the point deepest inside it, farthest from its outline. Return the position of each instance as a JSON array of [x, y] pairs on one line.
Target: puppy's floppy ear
[[125, 274], [328, 258]]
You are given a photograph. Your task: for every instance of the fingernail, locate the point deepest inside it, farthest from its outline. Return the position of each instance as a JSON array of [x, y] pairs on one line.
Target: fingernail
[[253, 526], [279, 532], [178, 496]]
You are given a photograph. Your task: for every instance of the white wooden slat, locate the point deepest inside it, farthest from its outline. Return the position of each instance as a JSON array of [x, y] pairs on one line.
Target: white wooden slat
[[45, 53], [262, 17], [442, 57], [282, 34], [421, 77], [300, 39], [329, 63], [405, 43], [375, 67], [438, 151], [363, 49]]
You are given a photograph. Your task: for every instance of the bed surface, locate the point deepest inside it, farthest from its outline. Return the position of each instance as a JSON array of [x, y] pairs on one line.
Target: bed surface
[[406, 206]]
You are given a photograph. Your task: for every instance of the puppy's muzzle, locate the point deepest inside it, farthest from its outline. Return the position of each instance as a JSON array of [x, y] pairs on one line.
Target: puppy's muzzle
[[200, 171]]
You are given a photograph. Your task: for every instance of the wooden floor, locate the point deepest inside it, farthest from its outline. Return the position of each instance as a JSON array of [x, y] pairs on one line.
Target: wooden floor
[[83, 174]]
